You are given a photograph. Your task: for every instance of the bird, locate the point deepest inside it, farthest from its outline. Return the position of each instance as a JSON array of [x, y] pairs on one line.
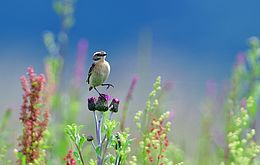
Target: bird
[[99, 71]]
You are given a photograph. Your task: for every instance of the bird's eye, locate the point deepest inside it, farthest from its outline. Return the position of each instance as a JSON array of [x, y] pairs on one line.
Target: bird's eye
[[96, 59]]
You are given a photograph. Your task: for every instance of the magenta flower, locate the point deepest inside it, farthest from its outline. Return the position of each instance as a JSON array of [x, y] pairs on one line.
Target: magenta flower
[[114, 105], [92, 103], [80, 62], [102, 103], [131, 88]]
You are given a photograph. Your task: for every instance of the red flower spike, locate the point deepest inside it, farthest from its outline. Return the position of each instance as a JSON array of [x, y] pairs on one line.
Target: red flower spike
[[32, 116], [69, 158]]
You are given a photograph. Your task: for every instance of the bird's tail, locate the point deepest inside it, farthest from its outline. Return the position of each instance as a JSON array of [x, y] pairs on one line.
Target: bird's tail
[[90, 88]]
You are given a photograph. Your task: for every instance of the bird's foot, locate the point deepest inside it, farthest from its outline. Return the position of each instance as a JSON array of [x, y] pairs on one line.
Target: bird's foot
[[103, 96], [108, 85]]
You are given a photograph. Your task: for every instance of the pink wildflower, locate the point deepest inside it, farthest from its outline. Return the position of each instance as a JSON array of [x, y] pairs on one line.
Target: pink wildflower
[[241, 58], [31, 114], [131, 88], [80, 62]]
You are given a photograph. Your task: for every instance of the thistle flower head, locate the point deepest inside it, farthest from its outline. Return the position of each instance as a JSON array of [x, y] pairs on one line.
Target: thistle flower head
[[92, 103], [114, 105], [104, 96], [102, 103]]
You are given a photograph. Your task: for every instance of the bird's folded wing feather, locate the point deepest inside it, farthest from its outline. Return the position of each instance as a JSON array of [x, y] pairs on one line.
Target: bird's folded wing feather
[[90, 72]]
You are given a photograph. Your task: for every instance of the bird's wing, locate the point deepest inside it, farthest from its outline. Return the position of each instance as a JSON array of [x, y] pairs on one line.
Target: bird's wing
[[90, 71]]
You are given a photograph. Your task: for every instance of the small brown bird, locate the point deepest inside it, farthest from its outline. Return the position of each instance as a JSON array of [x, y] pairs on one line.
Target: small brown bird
[[99, 71]]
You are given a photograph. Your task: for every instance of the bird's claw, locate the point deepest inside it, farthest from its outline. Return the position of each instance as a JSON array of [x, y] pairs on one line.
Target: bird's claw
[[110, 85]]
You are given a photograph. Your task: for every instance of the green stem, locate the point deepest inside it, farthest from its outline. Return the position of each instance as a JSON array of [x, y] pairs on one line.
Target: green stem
[[160, 153], [123, 119], [80, 154]]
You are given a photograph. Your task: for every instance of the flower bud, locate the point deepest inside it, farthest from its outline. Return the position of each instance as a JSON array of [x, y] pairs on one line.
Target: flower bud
[[92, 103], [102, 103], [114, 105], [90, 138], [118, 142]]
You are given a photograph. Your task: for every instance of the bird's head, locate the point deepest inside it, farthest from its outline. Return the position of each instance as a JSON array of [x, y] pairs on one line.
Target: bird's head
[[100, 55]]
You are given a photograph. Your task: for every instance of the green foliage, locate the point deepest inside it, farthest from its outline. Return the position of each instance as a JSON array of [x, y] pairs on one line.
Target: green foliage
[[63, 113], [21, 157], [3, 152], [243, 149], [153, 129], [123, 142], [73, 132], [119, 142], [4, 146], [245, 81], [110, 126], [65, 9], [4, 120]]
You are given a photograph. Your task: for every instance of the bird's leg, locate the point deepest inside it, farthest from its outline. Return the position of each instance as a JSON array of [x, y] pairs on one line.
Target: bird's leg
[[108, 85], [97, 91], [102, 95]]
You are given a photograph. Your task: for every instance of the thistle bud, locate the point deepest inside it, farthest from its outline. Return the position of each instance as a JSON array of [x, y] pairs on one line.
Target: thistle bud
[[102, 103], [90, 138], [92, 103], [114, 105], [118, 142]]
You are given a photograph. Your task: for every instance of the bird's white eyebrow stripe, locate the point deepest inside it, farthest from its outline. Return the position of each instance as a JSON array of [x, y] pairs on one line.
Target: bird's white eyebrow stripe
[[102, 53], [96, 53]]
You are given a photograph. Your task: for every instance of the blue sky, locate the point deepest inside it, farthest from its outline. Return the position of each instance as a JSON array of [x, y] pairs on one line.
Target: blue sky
[[192, 41], [198, 26]]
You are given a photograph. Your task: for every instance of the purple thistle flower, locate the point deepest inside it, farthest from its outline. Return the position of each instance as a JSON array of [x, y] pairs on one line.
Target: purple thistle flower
[[107, 97], [114, 105], [102, 103], [92, 103]]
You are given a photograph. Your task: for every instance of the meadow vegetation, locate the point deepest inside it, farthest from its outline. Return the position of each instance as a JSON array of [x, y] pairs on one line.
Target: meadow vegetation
[[52, 134]]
